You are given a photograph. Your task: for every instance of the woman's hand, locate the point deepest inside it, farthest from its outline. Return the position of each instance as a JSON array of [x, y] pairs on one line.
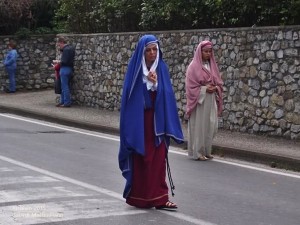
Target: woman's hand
[[211, 88], [152, 76], [56, 62]]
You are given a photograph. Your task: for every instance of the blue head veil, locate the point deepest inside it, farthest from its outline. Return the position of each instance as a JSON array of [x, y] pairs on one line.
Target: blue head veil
[[167, 124]]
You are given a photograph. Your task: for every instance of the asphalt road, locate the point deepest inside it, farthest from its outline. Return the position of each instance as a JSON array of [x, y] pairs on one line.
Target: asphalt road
[[52, 174]]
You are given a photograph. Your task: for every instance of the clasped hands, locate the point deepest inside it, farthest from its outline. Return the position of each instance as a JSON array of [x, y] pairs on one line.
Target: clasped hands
[[211, 88], [55, 62], [152, 77]]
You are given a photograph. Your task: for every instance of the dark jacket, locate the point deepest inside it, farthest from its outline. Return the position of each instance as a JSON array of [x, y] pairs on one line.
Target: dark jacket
[[67, 57]]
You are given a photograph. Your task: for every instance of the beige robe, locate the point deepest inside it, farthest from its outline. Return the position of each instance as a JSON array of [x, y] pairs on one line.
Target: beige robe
[[202, 125]]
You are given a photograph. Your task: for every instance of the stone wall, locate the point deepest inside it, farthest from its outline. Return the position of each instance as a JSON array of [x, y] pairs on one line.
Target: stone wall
[[260, 68], [34, 69]]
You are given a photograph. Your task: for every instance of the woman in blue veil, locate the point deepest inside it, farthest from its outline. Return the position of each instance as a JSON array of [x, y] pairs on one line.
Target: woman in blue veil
[[148, 120]]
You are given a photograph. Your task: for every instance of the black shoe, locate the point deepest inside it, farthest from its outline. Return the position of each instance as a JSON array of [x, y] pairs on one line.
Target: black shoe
[[8, 91], [66, 106], [209, 156]]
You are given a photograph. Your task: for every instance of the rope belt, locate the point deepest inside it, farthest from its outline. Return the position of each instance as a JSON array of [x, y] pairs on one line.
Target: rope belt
[[172, 186]]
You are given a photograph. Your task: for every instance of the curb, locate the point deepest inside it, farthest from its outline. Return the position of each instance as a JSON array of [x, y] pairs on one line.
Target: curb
[[274, 161], [61, 120]]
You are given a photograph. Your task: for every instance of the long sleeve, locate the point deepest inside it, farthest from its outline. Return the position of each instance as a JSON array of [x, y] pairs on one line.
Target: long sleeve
[[11, 58], [68, 54]]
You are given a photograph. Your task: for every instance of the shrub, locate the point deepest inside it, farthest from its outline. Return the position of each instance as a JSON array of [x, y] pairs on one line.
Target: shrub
[[23, 33]]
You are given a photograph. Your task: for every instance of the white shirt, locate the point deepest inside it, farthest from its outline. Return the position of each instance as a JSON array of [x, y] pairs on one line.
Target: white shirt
[[206, 65]]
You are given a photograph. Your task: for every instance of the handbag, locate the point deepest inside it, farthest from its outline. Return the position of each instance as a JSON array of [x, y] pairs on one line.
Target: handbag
[[57, 86]]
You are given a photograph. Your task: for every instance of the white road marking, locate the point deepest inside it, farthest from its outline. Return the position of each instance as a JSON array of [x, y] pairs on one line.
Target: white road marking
[[11, 169], [244, 166], [63, 178], [26, 180], [63, 211], [259, 169], [115, 195], [61, 127], [25, 194], [188, 218], [171, 150]]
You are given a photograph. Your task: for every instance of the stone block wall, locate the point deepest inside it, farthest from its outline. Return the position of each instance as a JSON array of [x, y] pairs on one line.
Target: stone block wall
[[34, 69], [260, 68]]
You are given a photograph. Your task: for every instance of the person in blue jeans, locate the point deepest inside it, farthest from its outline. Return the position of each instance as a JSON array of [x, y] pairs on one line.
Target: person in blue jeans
[[10, 64], [66, 70]]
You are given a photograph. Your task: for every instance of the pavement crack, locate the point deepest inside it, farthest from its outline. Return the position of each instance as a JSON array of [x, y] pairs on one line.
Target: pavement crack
[[51, 132]]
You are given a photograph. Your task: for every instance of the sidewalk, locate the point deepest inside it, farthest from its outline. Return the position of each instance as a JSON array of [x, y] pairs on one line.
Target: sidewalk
[[275, 152]]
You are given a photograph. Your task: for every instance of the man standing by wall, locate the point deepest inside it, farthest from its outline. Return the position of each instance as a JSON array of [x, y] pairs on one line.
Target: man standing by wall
[[10, 64], [66, 70]]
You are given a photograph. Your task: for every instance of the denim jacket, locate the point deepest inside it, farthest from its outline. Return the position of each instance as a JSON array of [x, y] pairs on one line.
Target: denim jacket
[[10, 61]]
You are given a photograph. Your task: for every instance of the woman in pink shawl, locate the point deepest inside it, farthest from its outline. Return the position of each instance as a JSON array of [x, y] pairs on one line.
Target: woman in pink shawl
[[204, 89]]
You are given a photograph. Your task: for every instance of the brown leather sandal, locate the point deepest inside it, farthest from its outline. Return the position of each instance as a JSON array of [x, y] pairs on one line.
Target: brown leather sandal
[[168, 206], [202, 158]]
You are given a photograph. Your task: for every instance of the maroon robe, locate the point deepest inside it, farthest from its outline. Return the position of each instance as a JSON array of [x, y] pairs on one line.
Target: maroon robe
[[149, 187]]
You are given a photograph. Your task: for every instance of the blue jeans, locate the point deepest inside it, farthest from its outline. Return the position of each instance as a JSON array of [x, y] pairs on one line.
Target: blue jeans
[[65, 76], [11, 76]]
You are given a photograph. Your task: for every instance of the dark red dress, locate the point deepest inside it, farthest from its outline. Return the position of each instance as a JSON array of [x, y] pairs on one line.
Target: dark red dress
[[149, 187]]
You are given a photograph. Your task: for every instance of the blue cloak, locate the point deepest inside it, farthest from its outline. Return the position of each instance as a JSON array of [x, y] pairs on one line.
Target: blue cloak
[[167, 124]]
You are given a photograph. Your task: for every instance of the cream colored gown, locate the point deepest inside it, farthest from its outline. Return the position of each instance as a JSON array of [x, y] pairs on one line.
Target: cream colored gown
[[202, 125]]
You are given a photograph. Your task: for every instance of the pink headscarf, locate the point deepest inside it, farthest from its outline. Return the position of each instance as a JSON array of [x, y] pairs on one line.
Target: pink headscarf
[[197, 76]]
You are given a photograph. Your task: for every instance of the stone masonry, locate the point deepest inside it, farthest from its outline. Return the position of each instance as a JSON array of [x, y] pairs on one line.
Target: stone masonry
[[34, 69], [260, 68]]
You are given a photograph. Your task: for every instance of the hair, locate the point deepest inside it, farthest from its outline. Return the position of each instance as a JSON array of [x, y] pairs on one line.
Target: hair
[[62, 40], [12, 44]]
